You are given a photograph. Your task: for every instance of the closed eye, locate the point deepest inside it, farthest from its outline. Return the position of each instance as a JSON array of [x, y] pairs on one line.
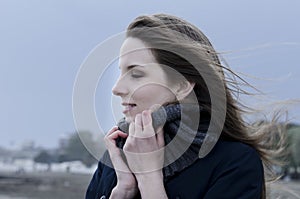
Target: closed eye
[[136, 74]]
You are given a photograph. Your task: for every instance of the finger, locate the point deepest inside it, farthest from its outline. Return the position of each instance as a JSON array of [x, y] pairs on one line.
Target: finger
[[147, 123], [131, 129], [110, 140], [114, 135], [113, 129], [138, 126], [160, 139]]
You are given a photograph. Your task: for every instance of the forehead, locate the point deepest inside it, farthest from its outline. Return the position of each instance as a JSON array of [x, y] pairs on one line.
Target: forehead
[[135, 52]]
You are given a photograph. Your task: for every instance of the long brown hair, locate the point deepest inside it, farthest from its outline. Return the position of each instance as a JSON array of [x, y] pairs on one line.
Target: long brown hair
[[196, 45]]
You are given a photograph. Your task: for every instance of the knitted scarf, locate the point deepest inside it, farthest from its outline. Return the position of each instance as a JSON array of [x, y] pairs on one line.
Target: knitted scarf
[[184, 133]]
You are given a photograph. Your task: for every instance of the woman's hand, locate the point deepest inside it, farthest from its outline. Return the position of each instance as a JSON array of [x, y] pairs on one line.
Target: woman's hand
[[144, 150], [126, 184]]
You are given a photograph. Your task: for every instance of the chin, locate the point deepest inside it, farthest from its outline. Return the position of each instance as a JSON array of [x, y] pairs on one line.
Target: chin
[[128, 119]]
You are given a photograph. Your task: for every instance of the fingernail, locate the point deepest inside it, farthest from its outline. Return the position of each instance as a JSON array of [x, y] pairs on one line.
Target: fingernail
[[146, 117], [137, 115]]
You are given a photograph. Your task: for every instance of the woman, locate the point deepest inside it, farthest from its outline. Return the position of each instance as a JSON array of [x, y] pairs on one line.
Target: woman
[[169, 136]]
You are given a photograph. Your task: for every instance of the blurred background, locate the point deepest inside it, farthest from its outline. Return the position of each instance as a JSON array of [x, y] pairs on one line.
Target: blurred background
[[44, 43]]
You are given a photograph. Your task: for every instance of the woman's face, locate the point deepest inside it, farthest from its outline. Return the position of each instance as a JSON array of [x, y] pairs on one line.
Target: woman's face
[[142, 82]]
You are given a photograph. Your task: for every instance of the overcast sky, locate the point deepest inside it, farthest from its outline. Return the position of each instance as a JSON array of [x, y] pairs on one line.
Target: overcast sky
[[43, 44]]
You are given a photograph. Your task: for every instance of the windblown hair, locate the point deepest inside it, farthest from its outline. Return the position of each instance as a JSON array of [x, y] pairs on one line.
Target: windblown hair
[[180, 45]]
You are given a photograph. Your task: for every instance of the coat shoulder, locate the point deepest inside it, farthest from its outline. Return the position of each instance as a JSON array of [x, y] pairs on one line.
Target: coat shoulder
[[232, 169]]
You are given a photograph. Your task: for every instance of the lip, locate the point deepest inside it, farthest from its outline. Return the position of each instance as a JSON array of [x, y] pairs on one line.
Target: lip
[[128, 107]]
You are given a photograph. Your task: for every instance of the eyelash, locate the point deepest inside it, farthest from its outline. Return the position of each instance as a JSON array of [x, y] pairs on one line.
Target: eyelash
[[136, 75]]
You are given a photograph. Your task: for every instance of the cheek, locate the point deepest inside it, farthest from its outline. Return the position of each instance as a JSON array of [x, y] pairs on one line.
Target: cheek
[[154, 94]]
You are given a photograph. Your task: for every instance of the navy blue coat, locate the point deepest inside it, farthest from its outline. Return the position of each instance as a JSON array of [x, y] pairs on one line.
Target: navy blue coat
[[231, 170]]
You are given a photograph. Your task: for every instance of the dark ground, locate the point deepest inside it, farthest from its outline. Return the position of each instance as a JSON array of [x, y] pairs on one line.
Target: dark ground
[[49, 185], [46, 185]]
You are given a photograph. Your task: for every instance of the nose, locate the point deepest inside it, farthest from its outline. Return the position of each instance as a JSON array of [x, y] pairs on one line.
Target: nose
[[119, 88]]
